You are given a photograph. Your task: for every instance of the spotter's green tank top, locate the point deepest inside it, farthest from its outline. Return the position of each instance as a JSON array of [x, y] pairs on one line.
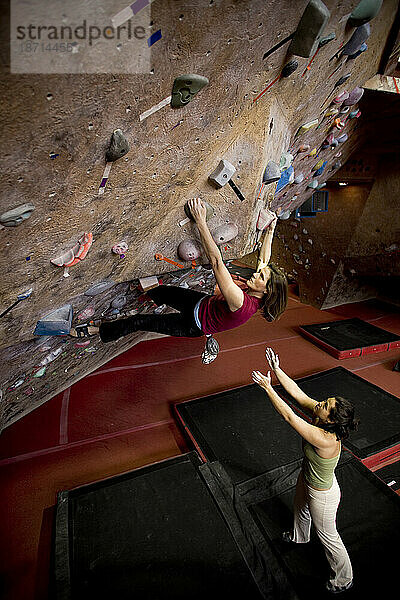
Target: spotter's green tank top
[[318, 471]]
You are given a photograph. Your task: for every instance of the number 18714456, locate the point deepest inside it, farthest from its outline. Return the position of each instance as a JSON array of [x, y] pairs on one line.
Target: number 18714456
[[32, 47]]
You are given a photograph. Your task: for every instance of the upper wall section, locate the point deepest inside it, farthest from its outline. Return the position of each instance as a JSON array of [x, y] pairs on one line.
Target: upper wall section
[[57, 128]]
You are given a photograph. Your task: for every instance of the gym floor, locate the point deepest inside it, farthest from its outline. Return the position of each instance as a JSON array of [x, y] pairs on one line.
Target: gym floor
[[120, 418]]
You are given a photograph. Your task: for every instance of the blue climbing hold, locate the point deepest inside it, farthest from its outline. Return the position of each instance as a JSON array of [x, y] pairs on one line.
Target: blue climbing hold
[[285, 179], [321, 169], [58, 322]]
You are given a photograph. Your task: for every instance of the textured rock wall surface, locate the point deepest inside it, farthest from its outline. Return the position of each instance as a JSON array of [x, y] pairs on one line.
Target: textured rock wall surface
[[57, 128]]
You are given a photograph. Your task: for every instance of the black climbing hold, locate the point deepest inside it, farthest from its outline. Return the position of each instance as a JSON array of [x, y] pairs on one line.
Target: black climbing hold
[[342, 80], [289, 68], [119, 146]]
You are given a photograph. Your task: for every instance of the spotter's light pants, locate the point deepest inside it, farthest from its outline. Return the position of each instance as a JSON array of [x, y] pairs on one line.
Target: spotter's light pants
[[320, 507]]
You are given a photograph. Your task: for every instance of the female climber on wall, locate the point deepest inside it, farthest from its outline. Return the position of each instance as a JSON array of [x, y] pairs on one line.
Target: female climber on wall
[[202, 314], [317, 491]]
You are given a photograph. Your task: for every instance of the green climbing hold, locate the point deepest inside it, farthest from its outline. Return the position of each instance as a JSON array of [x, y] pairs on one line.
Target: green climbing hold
[[209, 209], [312, 23], [15, 216], [185, 88], [364, 12]]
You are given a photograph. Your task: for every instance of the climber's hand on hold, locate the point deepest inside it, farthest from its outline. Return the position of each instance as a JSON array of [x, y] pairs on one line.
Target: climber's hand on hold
[[198, 210]]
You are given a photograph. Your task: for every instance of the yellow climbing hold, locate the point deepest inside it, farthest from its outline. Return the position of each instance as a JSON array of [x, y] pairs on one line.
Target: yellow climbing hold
[[307, 126], [313, 152]]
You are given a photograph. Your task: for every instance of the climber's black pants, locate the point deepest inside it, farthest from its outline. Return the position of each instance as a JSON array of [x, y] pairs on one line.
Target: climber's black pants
[[180, 324]]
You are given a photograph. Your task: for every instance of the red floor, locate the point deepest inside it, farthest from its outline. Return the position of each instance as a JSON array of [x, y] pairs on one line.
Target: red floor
[[120, 418]]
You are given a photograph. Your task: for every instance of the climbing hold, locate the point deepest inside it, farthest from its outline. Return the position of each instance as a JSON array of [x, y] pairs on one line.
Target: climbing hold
[[354, 96], [86, 313], [299, 178], [209, 210], [118, 302], [341, 97], [284, 215], [313, 152], [58, 322], [303, 148], [326, 39], [331, 112], [342, 138], [313, 184], [76, 253], [222, 174], [289, 68], [119, 146], [364, 12], [20, 297], [189, 250], [342, 80], [328, 141], [265, 218], [354, 114], [319, 187], [284, 179], [318, 165], [225, 233], [321, 169], [120, 248], [272, 173], [344, 110], [15, 216], [51, 356], [40, 372], [307, 126], [336, 165], [285, 160], [360, 35], [338, 124], [185, 87], [309, 29], [98, 288], [362, 49]]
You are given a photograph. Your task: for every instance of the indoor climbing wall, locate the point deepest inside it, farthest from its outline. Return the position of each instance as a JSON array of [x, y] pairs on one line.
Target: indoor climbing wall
[[248, 105]]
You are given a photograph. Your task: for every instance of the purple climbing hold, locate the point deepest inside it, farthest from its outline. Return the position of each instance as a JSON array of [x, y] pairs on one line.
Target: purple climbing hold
[[360, 35], [118, 302], [189, 250], [362, 49], [225, 233], [341, 97], [342, 138], [354, 96]]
